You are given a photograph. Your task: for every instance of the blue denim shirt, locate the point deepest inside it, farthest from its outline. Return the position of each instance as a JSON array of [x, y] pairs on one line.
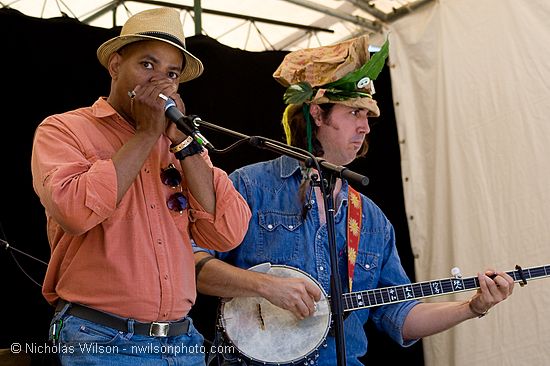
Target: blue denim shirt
[[278, 234]]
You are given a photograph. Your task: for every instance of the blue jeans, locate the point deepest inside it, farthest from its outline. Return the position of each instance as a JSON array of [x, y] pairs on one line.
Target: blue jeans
[[226, 356], [82, 342]]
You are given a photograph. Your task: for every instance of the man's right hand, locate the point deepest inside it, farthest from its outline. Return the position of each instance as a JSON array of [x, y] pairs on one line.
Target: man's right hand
[[297, 295]]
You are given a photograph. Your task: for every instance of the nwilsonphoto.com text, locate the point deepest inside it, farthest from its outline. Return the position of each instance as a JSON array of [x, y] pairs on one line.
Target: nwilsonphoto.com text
[[94, 348]]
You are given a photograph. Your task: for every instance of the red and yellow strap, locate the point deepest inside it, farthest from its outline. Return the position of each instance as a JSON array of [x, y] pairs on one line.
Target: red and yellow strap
[[354, 230]]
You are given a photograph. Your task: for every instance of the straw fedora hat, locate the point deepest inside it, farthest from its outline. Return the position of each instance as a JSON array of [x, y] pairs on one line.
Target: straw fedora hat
[[160, 24]]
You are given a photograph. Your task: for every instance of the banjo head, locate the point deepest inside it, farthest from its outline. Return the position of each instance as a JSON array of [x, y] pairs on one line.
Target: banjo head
[[266, 333]]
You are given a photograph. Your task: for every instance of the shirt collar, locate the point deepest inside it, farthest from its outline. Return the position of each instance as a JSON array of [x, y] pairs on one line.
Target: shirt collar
[[288, 166], [102, 108]]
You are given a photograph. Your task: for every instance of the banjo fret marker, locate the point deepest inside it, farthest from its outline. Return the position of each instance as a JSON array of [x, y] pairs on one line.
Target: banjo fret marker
[[359, 300]]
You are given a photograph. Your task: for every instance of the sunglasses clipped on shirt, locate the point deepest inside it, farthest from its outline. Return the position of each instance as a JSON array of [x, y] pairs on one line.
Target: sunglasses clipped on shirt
[[171, 177]]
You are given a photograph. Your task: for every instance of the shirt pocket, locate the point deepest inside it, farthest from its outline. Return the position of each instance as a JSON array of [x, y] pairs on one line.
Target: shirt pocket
[[280, 236], [366, 268]]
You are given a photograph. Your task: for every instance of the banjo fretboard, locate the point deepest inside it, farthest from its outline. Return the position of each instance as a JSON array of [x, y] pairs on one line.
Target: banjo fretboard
[[388, 295]]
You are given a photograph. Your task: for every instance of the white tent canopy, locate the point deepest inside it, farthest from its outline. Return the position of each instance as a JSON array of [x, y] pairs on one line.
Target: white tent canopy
[[244, 24]]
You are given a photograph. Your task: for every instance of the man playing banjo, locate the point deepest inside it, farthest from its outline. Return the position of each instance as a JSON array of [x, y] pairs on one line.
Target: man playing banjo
[[329, 106]]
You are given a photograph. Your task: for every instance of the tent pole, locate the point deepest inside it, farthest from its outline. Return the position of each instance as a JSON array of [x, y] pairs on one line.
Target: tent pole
[[197, 8]]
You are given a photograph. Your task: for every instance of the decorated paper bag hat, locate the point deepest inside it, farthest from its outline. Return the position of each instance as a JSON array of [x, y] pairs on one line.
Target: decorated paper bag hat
[[342, 73]]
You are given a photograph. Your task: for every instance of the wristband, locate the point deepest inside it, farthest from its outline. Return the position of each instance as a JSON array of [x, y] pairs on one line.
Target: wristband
[[182, 145], [200, 264], [191, 149]]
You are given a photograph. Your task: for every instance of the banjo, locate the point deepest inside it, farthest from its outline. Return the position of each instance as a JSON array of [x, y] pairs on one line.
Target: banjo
[[265, 333]]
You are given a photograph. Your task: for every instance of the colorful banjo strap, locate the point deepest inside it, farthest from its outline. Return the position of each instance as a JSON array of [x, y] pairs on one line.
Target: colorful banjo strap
[[354, 230]]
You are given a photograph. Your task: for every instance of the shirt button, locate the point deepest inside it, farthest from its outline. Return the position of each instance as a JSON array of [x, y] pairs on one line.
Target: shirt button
[[367, 266], [165, 277], [270, 226], [318, 236], [321, 268], [165, 315], [291, 227]]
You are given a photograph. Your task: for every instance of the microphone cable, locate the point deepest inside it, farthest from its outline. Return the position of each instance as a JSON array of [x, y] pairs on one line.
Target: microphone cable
[[12, 249]]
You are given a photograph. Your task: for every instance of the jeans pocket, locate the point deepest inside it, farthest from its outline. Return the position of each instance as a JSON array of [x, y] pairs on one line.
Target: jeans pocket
[[80, 331]]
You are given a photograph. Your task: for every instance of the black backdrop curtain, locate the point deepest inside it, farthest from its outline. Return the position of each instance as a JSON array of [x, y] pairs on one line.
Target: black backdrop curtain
[[50, 66]]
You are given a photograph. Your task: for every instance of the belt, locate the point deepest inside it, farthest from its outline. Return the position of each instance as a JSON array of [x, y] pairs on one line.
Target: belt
[[153, 329]]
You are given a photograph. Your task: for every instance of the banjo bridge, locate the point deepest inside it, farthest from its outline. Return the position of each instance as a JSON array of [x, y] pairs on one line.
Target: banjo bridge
[[260, 317]]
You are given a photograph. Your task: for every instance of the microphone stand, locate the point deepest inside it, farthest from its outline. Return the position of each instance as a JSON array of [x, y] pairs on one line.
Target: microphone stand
[[328, 174]]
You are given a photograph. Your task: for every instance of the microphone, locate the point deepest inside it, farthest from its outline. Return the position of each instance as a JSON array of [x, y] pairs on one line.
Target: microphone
[[184, 122]]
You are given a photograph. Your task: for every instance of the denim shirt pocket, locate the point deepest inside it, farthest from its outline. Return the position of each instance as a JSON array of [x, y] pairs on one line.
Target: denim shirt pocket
[[279, 237], [366, 270]]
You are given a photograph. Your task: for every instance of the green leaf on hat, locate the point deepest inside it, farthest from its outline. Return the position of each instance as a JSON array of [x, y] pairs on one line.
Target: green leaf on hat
[[337, 94], [371, 69], [298, 93]]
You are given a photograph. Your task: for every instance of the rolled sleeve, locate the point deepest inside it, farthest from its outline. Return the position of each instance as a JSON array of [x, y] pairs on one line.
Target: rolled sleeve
[[391, 318], [197, 249], [101, 197], [78, 194], [226, 228]]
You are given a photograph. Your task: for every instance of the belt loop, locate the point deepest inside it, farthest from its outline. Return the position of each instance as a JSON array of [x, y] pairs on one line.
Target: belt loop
[[189, 324], [131, 323], [65, 306], [57, 323]]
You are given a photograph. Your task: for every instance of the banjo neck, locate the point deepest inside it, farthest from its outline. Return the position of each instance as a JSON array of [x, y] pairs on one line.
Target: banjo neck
[[420, 290]]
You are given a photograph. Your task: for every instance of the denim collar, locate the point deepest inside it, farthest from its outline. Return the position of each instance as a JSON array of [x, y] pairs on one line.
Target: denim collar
[[288, 166]]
